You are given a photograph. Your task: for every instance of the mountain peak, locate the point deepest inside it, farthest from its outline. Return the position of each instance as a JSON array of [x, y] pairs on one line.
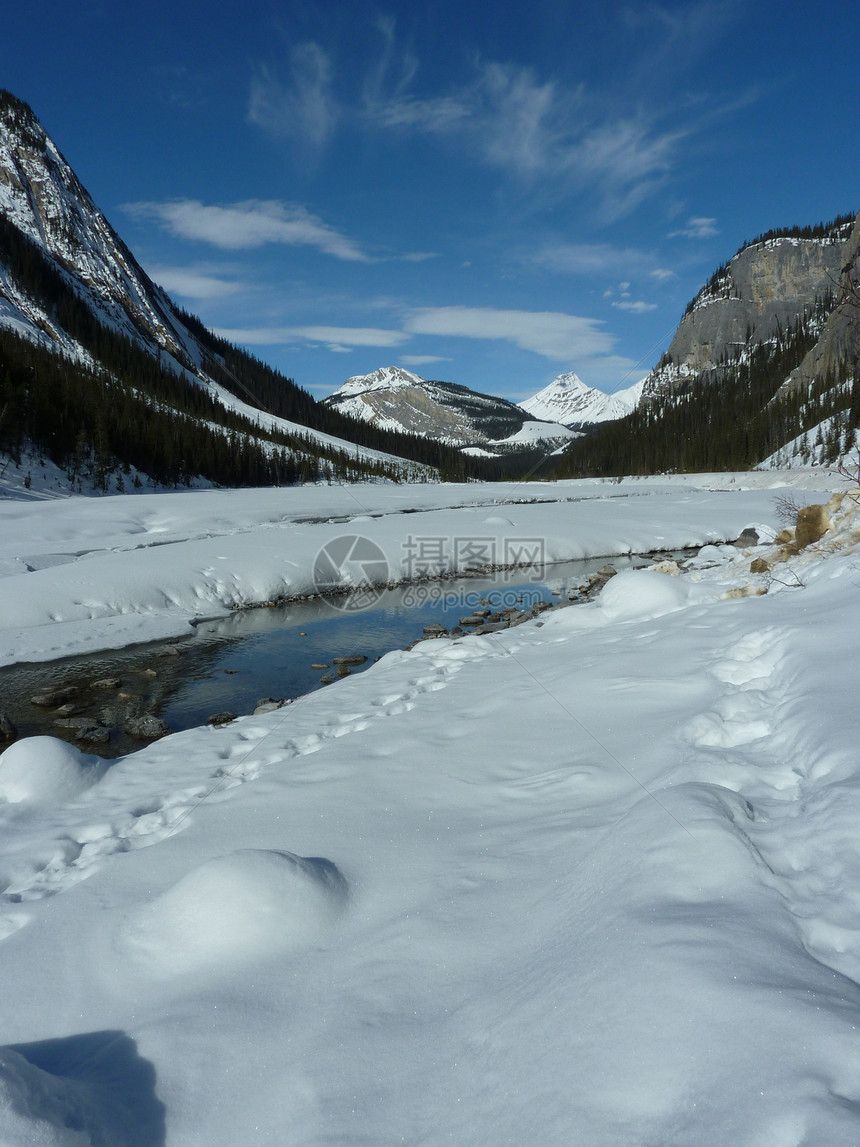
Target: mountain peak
[[569, 381], [400, 400], [570, 401], [385, 378]]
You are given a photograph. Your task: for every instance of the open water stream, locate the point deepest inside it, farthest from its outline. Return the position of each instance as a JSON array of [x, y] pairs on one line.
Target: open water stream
[[280, 652]]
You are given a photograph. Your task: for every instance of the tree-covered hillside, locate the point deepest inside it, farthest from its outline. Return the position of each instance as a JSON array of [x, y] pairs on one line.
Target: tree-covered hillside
[[729, 420], [131, 406]]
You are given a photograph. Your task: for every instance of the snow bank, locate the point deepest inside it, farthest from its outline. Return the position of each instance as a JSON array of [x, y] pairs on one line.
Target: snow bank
[[251, 905], [603, 873], [85, 574], [45, 770], [89, 1090], [642, 594], [37, 1107]]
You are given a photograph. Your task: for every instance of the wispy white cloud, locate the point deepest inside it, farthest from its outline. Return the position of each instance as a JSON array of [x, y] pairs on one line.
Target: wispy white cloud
[[661, 274], [588, 258], [698, 227], [422, 359], [304, 109], [542, 129], [552, 334], [635, 307], [681, 32], [393, 69], [537, 129], [414, 257], [505, 112], [251, 223], [195, 283], [335, 338]]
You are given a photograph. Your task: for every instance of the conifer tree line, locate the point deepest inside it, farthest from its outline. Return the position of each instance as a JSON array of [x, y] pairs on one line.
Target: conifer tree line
[[728, 419], [135, 409], [254, 381], [97, 429]]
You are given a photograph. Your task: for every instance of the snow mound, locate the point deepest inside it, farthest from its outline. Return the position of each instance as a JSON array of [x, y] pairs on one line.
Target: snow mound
[[36, 1107], [88, 1090], [249, 905], [44, 770], [711, 555], [642, 594]]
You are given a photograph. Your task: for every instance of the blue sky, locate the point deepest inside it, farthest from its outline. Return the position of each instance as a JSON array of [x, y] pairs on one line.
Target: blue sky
[[485, 193]]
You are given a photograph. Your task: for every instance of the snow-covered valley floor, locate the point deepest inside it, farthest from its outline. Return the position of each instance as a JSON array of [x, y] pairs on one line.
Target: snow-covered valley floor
[[592, 880]]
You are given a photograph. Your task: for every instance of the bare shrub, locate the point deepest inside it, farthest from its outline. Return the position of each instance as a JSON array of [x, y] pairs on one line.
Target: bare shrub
[[787, 508]]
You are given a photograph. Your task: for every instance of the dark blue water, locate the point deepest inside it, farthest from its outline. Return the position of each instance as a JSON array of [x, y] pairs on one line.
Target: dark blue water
[[269, 652], [233, 663]]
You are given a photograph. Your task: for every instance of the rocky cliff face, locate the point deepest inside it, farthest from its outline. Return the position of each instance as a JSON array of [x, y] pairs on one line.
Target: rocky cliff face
[[838, 349], [761, 292], [42, 197]]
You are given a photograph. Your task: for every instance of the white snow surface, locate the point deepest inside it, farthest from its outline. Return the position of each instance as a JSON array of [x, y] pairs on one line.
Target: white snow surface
[[531, 432], [568, 400], [84, 574], [591, 880]]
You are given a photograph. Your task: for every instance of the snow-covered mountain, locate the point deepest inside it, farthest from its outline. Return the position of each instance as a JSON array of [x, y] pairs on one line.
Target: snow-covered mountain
[[42, 197], [72, 290], [762, 370], [569, 401], [396, 399]]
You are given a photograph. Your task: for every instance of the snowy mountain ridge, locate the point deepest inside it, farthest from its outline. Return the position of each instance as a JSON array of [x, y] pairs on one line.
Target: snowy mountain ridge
[[389, 378], [570, 401], [397, 399], [43, 198]]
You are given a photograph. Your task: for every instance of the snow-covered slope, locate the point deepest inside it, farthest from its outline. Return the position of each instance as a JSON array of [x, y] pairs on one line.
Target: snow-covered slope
[[589, 881], [42, 199], [569, 401], [397, 399]]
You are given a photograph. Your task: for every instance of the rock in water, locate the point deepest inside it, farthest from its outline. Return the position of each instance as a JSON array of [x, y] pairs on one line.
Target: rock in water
[[148, 727]]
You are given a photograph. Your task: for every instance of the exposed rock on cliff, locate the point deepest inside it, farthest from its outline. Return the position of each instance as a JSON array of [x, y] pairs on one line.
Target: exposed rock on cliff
[[763, 291], [838, 349]]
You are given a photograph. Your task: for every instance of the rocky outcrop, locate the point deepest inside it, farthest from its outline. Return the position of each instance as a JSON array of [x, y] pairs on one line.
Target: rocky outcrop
[[760, 293], [838, 349], [43, 198]]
